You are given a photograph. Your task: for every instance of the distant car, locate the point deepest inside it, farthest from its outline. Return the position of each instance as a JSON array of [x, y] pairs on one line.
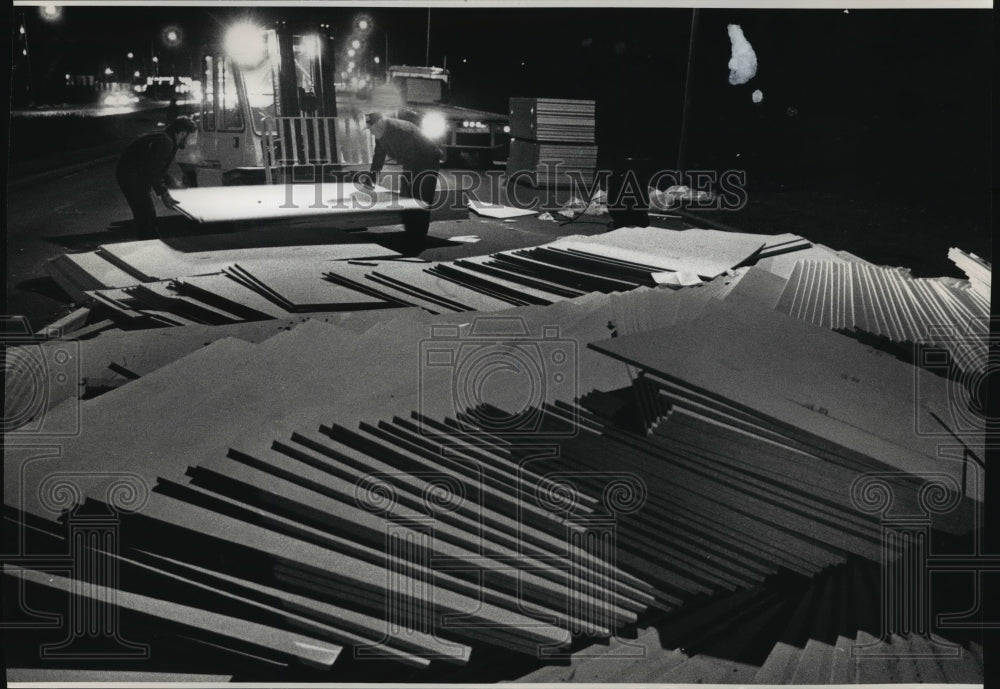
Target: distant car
[[120, 100]]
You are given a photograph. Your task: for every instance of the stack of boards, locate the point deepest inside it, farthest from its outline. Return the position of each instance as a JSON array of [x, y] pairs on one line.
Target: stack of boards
[[552, 142], [802, 633], [271, 476], [887, 303]]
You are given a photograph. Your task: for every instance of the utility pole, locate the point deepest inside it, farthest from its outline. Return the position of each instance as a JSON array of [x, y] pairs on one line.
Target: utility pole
[[27, 58], [427, 55], [688, 85]]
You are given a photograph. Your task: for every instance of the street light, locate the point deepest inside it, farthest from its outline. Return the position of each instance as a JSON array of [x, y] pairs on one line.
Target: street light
[[50, 12], [136, 74], [363, 24], [172, 36], [350, 52], [355, 44], [377, 60], [108, 71], [131, 55]]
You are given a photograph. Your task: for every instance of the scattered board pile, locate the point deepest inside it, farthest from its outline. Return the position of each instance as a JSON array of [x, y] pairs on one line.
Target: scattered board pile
[[978, 271], [552, 142], [788, 634], [147, 284], [890, 304], [275, 504]]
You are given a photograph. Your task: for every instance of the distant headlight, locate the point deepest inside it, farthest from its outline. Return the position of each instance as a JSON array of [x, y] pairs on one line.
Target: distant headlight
[[433, 125], [506, 129]]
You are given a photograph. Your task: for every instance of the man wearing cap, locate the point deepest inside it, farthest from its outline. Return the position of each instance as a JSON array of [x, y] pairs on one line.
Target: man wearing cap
[[143, 166], [420, 158]]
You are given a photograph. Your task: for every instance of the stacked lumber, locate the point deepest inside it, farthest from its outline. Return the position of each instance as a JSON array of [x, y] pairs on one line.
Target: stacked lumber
[[552, 142], [553, 119]]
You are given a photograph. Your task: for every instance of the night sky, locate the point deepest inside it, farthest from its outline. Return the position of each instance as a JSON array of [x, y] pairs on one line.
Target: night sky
[[909, 89]]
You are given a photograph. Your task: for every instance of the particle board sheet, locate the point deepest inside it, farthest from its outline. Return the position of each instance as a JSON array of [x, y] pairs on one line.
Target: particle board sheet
[[676, 470], [759, 287], [493, 286], [887, 303], [784, 264], [325, 201], [553, 119], [417, 278], [229, 294], [359, 278], [348, 573], [268, 640], [165, 296], [408, 646], [151, 260], [706, 253], [77, 273], [977, 269], [806, 378], [299, 286], [37, 675], [498, 210], [330, 503]]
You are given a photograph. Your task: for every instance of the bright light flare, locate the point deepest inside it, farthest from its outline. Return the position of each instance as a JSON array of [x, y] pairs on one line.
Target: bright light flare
[[434, 125], [311, 47], [245, 43], [50, 12], [172, 36]]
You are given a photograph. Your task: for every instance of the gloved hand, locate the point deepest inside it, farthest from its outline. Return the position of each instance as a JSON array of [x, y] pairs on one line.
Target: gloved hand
[[168, 200], [366, 179]]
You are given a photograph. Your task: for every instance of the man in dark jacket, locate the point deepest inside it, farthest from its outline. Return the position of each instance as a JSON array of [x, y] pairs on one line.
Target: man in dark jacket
[[420, 158], [143, 166]]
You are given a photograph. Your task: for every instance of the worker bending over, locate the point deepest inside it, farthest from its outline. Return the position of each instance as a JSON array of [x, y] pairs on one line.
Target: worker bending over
[[420, 158], [143, 167]]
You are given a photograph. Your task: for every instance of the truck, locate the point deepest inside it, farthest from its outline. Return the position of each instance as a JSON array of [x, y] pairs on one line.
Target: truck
[[424, 96], [269, 109]]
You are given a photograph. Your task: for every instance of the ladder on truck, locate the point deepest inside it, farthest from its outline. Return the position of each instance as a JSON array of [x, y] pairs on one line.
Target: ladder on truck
[[315, 141]]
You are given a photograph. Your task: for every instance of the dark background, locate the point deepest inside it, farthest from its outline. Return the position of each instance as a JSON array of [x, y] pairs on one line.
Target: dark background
[[898, 97], [879, 120]]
